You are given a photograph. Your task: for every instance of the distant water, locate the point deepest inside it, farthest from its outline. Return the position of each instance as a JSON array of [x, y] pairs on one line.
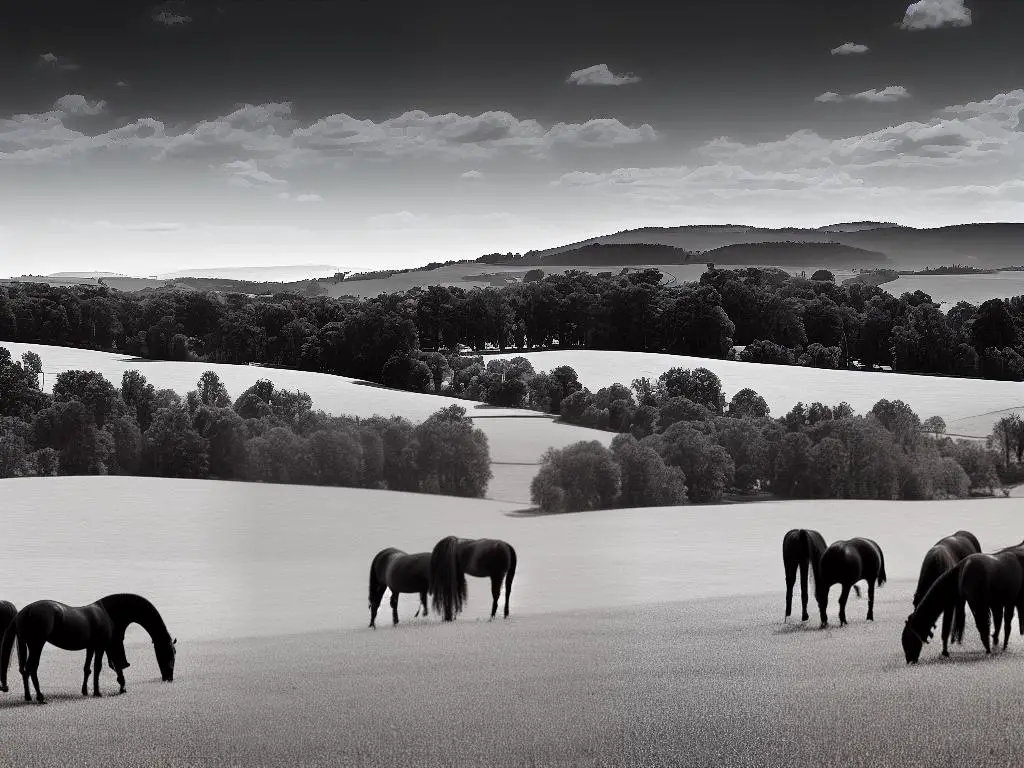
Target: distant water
[[226, 560]]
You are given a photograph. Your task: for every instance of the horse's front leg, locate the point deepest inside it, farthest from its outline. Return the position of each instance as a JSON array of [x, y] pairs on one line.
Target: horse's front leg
[[1007, 624], [947, 626], [822, 597], [843, 597], [422, 607], [871, 600], [96, 672], [394, 608], [85, 682]]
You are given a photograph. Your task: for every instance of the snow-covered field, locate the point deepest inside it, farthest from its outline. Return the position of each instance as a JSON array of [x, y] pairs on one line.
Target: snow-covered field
[[947, 290], [969, 406], [218, 558]]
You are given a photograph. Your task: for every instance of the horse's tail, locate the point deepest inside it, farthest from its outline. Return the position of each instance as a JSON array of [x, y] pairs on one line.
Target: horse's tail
[[375, 581], [880, 580], [815, 547], [511, 572], [6, 646], [959, 621], [447, 580]]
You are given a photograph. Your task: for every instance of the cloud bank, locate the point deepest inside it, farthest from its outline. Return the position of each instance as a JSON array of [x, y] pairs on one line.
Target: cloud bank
[[848, 49]]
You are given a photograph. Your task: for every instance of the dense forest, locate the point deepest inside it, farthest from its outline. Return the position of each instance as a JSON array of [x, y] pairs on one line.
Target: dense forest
[[88, 426], [393, 338]]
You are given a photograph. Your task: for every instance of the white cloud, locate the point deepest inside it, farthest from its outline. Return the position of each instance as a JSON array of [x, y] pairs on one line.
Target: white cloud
[[158, 226], [828, 96], [57, 62], [170, 19], [121, 84], [270, 134], [76, 104], [847, 49], [245, 173], [473, 174], [888, 94], [421, 221], [308, 197], [932, 14], [965, 155], [600, 74]]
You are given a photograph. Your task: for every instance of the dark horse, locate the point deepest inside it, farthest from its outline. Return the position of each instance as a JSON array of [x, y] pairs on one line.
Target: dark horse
[[943, 555], [97, 628], [400, 572], [991, 585], [453, 558], [7, 614], [847, 562], [802, 547]]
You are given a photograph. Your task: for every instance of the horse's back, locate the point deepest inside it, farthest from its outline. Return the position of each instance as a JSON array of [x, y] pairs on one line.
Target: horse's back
[[65, 626], [484, 557], [409, 573]]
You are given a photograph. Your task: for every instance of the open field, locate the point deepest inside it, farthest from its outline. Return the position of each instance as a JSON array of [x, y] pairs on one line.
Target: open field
[[636, 637], [947, 290], [219, 557], [969, 406], [516, 437]]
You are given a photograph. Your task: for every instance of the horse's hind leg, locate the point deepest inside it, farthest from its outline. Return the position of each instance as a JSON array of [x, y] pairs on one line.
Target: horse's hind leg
[[495, 594], [843, 597], [1007, 624], [96, 673], [871, 599], [997, 624], [804, 565], [790, 581], [32, 671], [394, 608], [422, 606], [85, 682]]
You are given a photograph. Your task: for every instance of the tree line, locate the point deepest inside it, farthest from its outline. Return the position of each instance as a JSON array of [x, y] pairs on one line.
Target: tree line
[[774, 317], [88, 426], [680, 441]]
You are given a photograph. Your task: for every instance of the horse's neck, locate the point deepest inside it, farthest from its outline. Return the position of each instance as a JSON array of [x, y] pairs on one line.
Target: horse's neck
[[125, 610], [941, 595]]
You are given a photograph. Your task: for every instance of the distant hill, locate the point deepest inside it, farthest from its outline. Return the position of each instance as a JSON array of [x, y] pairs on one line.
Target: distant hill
[[805, 255], [856, 226], [611, 254], [979, 245]]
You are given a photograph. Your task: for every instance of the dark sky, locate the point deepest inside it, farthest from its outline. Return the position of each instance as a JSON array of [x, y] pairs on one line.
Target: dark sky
[[749, 71]]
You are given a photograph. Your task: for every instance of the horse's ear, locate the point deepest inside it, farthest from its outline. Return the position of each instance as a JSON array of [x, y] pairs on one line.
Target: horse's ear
[[174, 641]]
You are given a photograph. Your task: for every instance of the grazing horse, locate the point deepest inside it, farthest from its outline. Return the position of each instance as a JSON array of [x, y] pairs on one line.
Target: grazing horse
[[97, 628], [400, 572], [802, 547], [453, 558], [943, 555], [847, 562], [991, 585]]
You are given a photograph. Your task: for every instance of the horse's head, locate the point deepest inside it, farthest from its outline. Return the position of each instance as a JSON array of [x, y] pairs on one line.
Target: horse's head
[[912, 642], [165, 653]]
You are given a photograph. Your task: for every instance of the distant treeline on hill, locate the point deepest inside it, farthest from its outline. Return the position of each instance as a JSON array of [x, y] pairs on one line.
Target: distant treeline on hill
[[778, 318], [90, 427]]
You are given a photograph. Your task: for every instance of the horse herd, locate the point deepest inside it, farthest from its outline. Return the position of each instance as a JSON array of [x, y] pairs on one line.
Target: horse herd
[[99, 628], [955, 574]]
